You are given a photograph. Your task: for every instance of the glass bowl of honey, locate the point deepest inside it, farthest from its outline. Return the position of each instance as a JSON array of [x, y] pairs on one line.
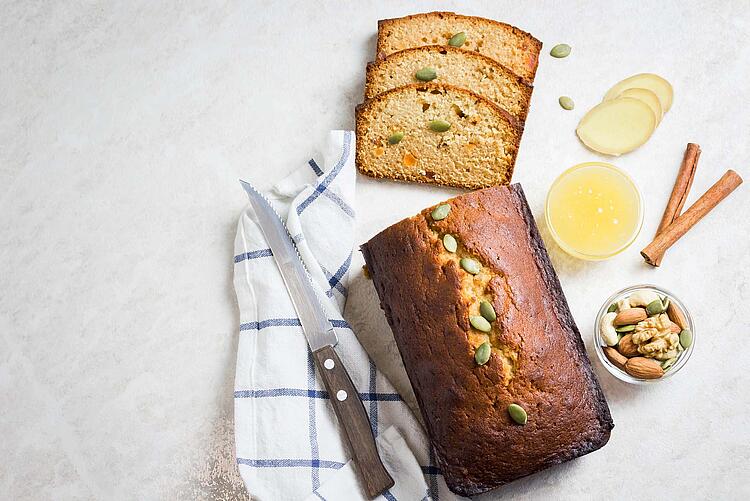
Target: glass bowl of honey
[[594, 211]]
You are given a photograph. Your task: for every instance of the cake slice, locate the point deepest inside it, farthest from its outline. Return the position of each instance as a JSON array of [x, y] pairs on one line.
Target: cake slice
[[532, 354], [453, 66], [504, 43], [436, 133]]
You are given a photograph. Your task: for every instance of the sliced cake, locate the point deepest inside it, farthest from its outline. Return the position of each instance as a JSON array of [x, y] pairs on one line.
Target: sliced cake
[[446, 64], [436, 133], [502, 42]]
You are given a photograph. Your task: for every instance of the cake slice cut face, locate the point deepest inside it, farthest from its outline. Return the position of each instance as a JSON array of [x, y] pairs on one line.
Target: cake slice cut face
[[453, 66], [504, 397], [436, 133], [504, 43]]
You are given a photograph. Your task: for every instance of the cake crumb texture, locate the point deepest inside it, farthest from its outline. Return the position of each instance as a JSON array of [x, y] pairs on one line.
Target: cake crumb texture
[[477, 150], [453, 66], [502, 42]]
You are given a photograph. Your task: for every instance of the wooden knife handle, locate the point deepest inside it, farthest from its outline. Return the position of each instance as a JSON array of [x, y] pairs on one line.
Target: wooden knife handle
[[353, 419]]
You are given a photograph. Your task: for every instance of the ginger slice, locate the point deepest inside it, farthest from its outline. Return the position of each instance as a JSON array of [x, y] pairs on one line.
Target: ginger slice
[[617, 126]]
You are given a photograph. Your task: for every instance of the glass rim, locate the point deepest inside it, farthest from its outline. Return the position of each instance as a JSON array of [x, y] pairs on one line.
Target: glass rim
[[582, 255], [621, 374]]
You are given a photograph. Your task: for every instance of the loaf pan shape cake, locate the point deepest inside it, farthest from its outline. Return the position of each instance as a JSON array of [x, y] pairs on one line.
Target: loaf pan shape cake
[[538, 359], [504, 43], [478, 149], [453, 66]]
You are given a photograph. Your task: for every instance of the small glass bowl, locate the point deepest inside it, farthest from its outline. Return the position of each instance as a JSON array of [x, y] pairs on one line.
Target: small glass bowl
[[599, 343], [565, 245]]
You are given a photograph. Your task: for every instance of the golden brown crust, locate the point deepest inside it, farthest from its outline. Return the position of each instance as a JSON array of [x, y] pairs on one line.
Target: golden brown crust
[[535, 44], [522, 84], [361, 127], [464, 405]]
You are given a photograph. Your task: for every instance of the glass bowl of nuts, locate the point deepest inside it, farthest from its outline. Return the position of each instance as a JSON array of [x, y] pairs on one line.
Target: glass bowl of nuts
[[643, 334]]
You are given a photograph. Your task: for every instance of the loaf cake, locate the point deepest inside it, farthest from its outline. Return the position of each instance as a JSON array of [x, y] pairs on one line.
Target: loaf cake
[[504, 43], [453, 66], [432, 294], [436, 133]]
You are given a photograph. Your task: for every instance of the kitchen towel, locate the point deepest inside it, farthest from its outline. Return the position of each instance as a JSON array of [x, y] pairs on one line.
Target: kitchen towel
[[288, 441]]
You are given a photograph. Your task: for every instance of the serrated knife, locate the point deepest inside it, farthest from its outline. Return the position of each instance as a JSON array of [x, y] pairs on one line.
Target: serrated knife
[[322, 338]]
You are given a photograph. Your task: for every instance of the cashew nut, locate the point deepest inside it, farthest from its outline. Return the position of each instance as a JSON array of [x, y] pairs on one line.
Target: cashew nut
[[607, 329], [642, 297]]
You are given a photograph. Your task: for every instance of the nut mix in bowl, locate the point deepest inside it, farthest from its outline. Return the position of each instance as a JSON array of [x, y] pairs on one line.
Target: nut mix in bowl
[[643, 334]]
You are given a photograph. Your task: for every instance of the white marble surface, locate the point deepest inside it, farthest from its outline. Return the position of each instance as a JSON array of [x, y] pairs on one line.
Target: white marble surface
[[123, 129]]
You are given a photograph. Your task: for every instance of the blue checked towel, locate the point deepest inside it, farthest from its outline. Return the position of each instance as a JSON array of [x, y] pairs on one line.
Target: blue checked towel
[[288, 441]]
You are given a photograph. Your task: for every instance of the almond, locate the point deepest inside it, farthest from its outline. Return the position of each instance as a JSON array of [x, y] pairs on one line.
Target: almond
[[627, 347], [673, 327], [644, 368], [676, 315], [630, 316], [614, 356]]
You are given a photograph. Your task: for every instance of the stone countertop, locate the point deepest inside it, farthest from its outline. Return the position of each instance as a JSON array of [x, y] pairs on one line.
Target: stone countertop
[[123, 130]]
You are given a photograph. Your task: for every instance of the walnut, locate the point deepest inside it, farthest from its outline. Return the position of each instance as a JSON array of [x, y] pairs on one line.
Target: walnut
[[655, 338], [649, 328]]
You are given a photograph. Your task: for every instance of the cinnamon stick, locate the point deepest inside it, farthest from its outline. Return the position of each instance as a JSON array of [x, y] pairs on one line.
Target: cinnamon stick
[[681, 186], [654, 252], [680, 190]]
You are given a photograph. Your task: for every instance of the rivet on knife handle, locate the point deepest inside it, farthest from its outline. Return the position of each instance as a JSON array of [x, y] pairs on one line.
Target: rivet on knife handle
[[353, 419]]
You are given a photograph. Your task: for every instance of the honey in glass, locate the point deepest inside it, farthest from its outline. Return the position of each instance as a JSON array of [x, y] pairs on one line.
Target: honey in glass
[[594, 210]]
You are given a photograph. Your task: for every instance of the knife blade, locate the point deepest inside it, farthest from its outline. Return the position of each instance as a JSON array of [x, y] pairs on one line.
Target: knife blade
[[318, 330], [322, 338]]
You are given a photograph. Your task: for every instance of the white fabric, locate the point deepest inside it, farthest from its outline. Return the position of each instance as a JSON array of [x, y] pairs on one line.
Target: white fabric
[[288, 441]]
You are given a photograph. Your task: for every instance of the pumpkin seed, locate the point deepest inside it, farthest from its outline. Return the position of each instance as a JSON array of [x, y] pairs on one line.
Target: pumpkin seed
[[686, 338], [612, 308], [487, 311], [566, 103], [470, 265], [480, 323], [625, 328], [395, 138], [560, 50], [440, 212], [482, 353], [439, 125], [449, 242], [655, 307], [518, 414], [665, 302], [667, 364], [457, 40], [426, 74]]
